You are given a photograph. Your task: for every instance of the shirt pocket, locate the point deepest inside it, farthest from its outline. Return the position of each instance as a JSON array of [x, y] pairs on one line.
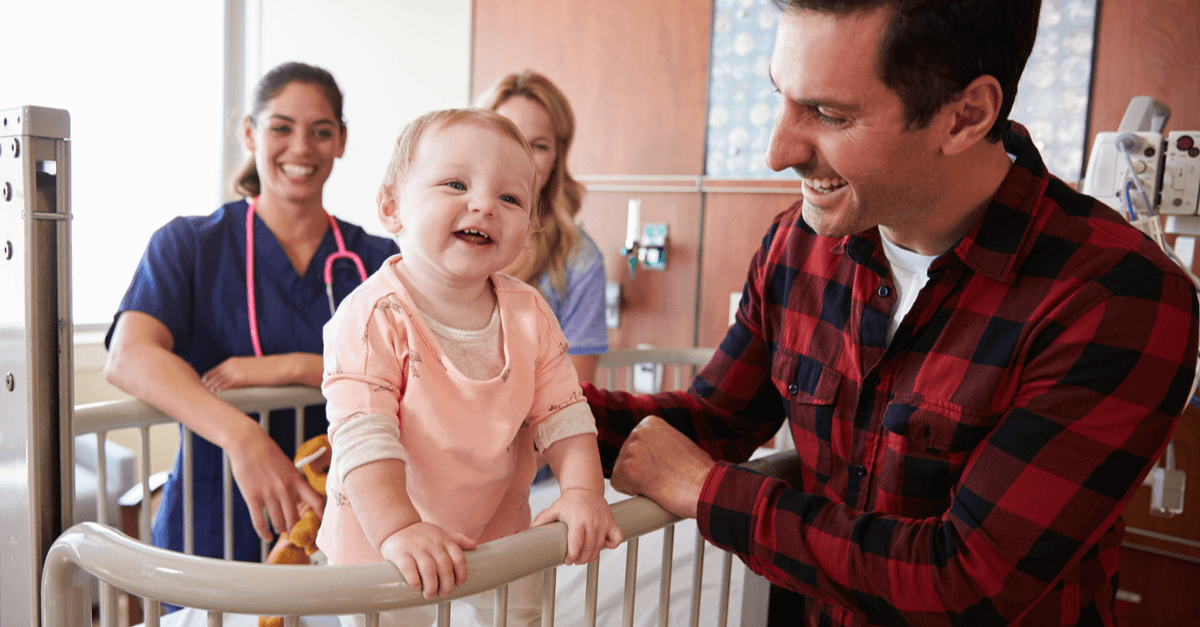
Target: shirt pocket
[[810, 390], [928, 443]]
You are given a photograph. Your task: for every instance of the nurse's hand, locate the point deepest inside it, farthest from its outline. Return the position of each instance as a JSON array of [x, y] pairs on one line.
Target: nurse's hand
[[269, 480], [269, 370]]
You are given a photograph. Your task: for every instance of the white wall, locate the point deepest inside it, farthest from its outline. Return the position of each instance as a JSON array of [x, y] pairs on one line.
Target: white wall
[[393, 60], [142, 81]]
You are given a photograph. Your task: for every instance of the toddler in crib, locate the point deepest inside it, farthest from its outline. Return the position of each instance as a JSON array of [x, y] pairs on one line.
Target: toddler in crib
[[442, 376]]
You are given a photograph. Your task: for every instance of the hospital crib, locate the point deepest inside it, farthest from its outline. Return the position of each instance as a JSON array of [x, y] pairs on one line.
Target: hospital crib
[[217, 592]]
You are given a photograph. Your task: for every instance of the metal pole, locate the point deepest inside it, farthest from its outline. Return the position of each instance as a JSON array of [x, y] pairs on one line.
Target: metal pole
[[36, 448]]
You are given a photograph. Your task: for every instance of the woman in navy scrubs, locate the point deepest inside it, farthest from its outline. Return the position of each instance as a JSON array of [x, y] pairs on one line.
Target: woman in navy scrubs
[[201, 315]]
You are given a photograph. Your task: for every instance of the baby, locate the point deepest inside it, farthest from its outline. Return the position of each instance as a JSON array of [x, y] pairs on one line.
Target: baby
[[442, 376]]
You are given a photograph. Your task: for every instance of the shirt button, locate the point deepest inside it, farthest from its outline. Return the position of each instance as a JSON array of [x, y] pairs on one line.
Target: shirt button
[[793, 389], [883, 291], [872, 380], [858, 470]]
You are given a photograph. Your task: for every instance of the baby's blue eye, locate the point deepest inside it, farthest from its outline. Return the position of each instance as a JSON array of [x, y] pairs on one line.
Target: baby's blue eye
[[457, 185], [510, 199]]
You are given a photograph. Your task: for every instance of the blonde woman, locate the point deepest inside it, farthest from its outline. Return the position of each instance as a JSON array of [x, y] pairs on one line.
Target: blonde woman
[[563, 262]]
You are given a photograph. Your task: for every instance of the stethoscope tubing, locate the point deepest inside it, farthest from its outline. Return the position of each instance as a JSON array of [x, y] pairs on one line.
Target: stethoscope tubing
[[342, 253]]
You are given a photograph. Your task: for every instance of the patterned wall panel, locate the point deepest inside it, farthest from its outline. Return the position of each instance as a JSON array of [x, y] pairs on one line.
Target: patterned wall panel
[[1052, 100]]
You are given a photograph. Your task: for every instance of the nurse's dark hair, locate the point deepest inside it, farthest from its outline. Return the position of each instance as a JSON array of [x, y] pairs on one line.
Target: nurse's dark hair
[[933, 49], [245, 182]]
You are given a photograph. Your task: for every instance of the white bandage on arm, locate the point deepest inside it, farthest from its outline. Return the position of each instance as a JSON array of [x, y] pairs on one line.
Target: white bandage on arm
[[364, 439], [573, 419]]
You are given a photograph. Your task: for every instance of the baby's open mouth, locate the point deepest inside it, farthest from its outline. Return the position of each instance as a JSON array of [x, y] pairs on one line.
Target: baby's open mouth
[[473, 236]]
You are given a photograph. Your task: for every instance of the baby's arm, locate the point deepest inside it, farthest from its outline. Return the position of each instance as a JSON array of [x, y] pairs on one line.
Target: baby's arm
[[590, 525], [430, 559]]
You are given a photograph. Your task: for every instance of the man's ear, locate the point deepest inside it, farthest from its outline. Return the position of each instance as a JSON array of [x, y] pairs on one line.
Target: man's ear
[[972, 113], [389, 210], [248, 133]]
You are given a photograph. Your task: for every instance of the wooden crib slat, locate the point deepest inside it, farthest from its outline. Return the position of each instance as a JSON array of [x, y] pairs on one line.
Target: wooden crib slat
[[227, 493], [189, 497], [726, 573], [144, 512], [153, 611], [443, 614], [549, 584], [299, 432], [593, 586], [102, 478], [668, 562], [217, 619], [697, 578], [373, 620], [109, 600], [500, 607], [631, 555], [291, 621]]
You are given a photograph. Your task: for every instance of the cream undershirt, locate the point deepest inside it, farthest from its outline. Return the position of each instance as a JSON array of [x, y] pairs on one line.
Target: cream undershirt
[[910, 272]]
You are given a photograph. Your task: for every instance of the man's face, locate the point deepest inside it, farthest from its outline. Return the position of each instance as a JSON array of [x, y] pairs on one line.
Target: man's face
[[845, 133]]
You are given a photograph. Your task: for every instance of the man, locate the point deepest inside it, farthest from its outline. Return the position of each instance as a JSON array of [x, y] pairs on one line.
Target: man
[[978, 365]]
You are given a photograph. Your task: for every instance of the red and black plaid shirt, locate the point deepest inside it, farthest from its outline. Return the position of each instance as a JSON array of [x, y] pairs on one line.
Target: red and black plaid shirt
[[972, 471]]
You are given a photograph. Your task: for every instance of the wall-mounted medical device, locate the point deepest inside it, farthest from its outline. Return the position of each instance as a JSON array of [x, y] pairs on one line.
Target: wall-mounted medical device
[[1141, 172], [645, 244], [1144, 174]]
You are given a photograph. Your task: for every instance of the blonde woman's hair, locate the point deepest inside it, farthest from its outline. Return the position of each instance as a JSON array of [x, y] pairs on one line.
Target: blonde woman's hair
[[561, 196], [405, 149]]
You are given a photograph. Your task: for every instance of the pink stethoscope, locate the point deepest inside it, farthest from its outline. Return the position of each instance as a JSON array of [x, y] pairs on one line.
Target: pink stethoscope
[[341, 253]]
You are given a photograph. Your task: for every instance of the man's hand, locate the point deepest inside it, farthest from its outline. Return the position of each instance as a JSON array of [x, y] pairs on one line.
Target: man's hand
[[660, 463]]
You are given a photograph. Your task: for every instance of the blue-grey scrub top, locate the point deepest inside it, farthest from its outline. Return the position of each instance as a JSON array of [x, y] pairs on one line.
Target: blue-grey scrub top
[[192, 278]]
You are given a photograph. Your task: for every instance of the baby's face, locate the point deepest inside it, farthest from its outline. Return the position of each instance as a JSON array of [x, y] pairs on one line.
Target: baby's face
[[463, 206]]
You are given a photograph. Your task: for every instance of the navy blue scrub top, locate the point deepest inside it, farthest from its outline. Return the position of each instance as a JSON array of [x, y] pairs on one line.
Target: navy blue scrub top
[[192, 278]]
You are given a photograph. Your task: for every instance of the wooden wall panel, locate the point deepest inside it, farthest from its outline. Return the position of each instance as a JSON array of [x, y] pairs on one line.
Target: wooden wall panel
[[1146, 48], [1185, 526], [734, 225], [1167, 588], [636, 74], [659, 307]]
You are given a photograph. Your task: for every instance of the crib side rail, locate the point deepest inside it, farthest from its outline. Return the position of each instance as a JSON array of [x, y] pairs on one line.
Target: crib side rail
[[131, 413], [246, 588]]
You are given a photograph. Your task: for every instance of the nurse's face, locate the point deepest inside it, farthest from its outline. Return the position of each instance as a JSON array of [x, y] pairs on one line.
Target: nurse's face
[[295, 140]]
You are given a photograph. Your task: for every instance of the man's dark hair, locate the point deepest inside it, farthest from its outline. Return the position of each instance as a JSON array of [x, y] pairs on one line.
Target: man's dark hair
[[934, 48]]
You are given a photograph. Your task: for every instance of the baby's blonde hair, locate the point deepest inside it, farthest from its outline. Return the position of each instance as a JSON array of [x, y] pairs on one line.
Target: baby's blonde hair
[[406, 144]]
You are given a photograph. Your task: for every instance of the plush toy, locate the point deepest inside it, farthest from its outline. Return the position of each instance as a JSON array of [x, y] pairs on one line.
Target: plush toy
[[298, 546]]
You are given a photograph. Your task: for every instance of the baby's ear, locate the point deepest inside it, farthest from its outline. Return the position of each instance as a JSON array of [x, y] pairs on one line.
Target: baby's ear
[[389, 210]]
